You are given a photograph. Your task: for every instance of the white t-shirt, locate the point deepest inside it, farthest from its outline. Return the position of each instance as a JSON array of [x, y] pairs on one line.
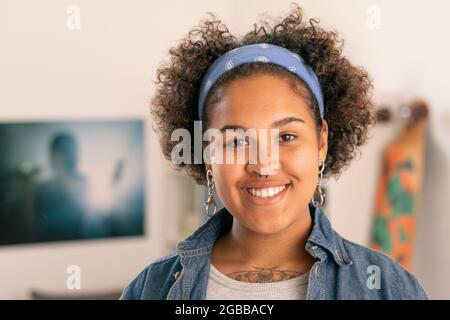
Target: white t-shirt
[[223, 287]]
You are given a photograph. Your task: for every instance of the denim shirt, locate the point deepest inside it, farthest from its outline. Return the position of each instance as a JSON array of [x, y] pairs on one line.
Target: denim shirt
[[343, 270]]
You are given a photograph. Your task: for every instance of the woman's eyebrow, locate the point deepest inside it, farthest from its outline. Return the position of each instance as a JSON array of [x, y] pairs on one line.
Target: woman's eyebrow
[[286, 120], [275, 124], [232, 127]]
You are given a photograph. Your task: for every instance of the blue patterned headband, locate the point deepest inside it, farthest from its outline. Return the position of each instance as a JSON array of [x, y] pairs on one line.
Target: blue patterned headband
[[260, 52]]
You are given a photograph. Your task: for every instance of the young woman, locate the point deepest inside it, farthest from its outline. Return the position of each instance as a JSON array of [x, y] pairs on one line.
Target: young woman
[[272, 239]]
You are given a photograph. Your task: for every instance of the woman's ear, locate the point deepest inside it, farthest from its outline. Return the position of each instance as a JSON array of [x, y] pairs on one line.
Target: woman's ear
[[323, 140]]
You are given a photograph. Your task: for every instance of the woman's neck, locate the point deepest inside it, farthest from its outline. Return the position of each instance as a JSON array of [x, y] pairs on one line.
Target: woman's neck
[[246, 250]]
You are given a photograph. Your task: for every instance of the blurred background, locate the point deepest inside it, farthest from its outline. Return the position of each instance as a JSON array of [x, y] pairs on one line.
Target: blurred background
[[75, 83]]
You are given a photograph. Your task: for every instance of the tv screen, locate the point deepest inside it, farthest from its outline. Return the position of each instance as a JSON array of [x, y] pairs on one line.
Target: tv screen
[[71, 180]]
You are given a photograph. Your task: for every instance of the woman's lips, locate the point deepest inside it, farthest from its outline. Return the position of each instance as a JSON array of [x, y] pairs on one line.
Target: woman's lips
[[266, 200]]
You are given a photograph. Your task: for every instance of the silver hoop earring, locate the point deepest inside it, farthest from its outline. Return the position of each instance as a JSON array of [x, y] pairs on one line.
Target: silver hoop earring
[[319, 190], [211, 202]]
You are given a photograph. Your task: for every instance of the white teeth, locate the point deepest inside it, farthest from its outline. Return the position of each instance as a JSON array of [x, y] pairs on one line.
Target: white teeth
[[267, 192]]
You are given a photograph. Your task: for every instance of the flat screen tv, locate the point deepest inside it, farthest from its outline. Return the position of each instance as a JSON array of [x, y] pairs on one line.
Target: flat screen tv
[[74, 180]]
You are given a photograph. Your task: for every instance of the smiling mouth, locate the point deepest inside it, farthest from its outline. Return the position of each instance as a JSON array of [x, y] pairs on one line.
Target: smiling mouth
[[266, 193]]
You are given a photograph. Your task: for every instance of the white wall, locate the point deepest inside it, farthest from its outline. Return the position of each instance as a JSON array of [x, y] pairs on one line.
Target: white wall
[[105, 70], [408, 58]]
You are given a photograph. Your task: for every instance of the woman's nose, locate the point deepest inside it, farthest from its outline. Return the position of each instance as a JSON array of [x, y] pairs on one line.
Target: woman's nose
[[265, 161]]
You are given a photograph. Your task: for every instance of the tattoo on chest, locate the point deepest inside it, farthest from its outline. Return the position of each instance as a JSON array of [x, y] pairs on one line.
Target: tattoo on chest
[[262, 275]]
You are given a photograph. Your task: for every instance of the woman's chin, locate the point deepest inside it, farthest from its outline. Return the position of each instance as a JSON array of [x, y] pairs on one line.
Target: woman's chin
[[267, 226]]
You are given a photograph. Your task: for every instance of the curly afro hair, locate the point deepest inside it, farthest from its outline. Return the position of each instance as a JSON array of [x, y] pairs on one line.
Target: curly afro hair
[[346, 88]]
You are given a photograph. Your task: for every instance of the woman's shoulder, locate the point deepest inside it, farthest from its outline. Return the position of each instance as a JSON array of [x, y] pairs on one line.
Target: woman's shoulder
[[360, 253], [155, 280], [382, 272]]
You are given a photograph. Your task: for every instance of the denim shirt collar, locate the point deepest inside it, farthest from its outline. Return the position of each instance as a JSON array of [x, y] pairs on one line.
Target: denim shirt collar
[[322, 242]]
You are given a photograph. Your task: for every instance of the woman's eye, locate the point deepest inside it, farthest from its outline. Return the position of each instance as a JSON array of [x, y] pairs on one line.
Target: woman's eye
[[287, 137], [237, 143]]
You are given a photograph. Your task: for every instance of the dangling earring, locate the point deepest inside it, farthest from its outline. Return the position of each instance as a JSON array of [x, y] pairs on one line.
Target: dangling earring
[[211, 202], [319, 187]]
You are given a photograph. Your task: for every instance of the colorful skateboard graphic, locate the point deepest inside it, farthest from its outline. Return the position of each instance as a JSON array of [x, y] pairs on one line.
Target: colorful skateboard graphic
[[398, 192]]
